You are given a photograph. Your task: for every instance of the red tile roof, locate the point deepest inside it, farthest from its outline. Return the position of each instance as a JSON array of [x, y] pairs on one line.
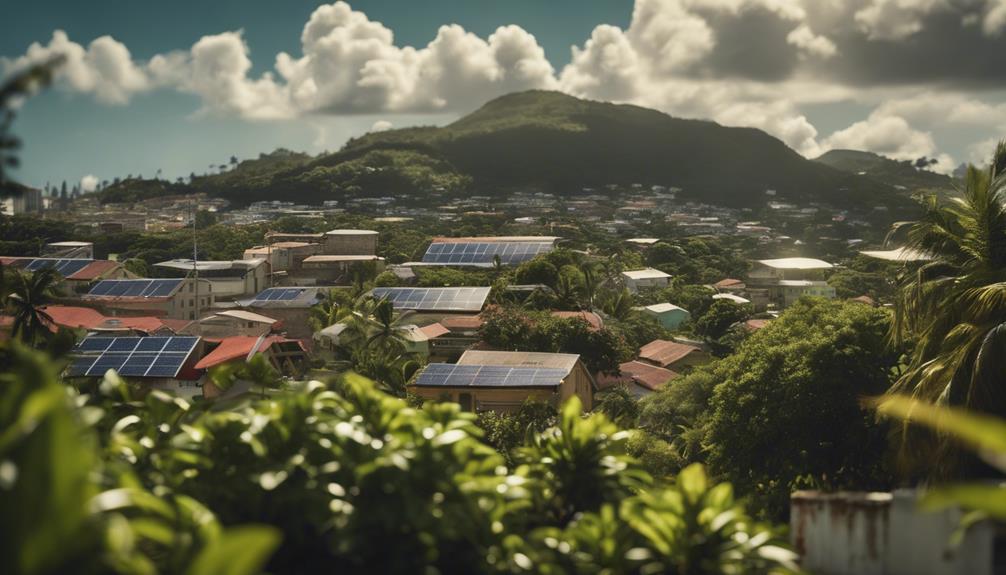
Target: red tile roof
[[94, 270], [238, 347], [756, 324], [462, 322], [87, 318], [590, 317], [665, 353], [434, 330], [729, 283], [645, 375]]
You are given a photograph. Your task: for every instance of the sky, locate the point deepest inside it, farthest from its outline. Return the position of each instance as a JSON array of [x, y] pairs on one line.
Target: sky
[[180, 86]]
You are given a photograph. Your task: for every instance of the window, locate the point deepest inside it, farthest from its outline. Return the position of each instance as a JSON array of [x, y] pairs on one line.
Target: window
[[465, 399], [192, 303], [192, 287]]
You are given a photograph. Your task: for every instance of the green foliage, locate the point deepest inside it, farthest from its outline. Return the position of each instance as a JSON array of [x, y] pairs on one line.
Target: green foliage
[[387, 279], [619, 406], [785, 410], [537, 271], [851, 283], [722, 314], [29, 294], [679, 412], [638, 329], [508, 431]]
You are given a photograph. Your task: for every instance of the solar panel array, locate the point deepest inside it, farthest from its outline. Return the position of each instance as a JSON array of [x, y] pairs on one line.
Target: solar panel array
[[65, 267], [452, 375], [279, 294], [476, 253], [131, 356], [435, 299], [135, 288]]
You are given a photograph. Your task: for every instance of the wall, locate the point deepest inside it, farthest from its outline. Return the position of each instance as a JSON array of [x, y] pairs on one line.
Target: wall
[[884, 534]]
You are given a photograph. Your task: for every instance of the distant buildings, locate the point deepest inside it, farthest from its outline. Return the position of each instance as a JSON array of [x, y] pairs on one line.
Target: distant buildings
[[28, 201], [667, 315], [230, 279], [645, 278], [784, 281]]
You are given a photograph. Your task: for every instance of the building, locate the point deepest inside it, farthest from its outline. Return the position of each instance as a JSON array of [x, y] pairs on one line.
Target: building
[[730, 285], [233, 322], [155, 362], [668, 315], [784, 281], [66, 250], [291, 305], [332, 269], [679, 357], [26, 201], [184, 298], [645, 278], [504, 380], [78, 273], [462, 334], [639, 378], [428, 305], [282, 256], [93, 321], [230, 279], [350, 243], [732, 297], [286, 356]]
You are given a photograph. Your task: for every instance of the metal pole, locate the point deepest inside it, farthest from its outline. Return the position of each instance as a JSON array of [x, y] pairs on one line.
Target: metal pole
[[195, 257]]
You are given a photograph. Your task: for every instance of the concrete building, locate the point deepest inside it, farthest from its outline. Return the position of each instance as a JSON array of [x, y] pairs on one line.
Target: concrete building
[[331, 269], [283, 256], [783, 281], [230, 279], [645, 278], [233, 322], [294, 310], [504, 380], [69, 250], [170, 298], [28, 201], [286, 356], [350, 243], [668, 315]]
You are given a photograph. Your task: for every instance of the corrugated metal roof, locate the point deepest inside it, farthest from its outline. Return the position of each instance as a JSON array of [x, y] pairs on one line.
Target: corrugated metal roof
[[566, 361], [665, 353], [796, 264]]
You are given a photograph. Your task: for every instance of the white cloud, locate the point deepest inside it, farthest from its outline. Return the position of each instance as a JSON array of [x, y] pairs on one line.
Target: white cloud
[[381, 126], [810, 43], [89, 183], [890, 136]]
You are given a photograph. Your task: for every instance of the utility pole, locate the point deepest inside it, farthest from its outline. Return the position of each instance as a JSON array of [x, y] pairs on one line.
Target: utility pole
[[195, 267]]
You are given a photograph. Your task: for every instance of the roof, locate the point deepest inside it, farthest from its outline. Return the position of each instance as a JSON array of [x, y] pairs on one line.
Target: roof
[[665, 308], [92, 320], [665, 353], [83, 269], [240, 347], [187, 265], [457, 375], [898, 255], [488, 239], [95, 270], [462, 322], [247, 316], [801, 283], [351, 233], [732, 297], [728, 283], [643, 241], [566, 361], [864, 299], [331, 258], [434, 330], [756, 324], [292, 297], [70, 244], [648, 273], [590, 317], [796, 264], [649, 376]]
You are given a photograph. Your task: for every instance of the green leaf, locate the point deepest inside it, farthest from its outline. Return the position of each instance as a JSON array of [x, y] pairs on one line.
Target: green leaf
[[979, 431], [990, 499], [238, 551]]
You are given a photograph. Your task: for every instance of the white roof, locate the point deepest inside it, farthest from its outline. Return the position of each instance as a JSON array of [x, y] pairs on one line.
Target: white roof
[[643, 241], [898, 255], [71, 244], [801, 283], [648, 273], [796, 264], [186, 265], [247, 316], [731, 297], [351, 233], [664, 308], [331, 258]]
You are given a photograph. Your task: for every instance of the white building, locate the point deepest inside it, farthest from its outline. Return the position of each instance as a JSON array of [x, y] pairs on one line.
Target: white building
[[230, 279], [645, 278]]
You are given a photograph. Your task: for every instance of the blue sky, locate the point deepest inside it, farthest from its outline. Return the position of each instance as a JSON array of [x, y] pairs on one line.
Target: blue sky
[[866, 74]]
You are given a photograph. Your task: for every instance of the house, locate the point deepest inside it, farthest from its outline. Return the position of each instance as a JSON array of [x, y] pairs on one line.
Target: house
[[69, 250], [91, 320], [462, 334], [287, 356], [672, 355], [504, 380], [485, 251], [430, 305], [645, 278], [184, 298], [668, 315], [730, 285], [233, 322], [78, 273], [155, 362], [732, 297], [282, 256], [641, 379], [643, 242], [594, 320], [331, 269], [291, 305], [417, 339], [783, 281], [230, 279]]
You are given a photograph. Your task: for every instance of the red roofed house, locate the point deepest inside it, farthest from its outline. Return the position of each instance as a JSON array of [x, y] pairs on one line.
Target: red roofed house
[[639, 378], [462, 334], [730, 285], [673, 355], [595, 321], [85, 318], [232, 322], [286, 355], [78, 282]]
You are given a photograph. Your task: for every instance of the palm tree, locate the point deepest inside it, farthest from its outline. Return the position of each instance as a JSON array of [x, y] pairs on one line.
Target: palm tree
[[619, 305], [954, 306], [593, 277], [29, 294]]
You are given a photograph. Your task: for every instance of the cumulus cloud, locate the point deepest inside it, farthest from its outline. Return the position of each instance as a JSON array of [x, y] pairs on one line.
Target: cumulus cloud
[[381, 126], [755, 63], [89, 183]]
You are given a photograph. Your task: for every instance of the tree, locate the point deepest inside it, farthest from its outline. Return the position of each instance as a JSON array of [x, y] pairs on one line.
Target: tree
[[537, 271], [715, 324], [785, 412], [954, 306], [31, 292]]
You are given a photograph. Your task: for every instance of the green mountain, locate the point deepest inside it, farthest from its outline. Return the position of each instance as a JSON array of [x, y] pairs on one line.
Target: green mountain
[[553, 142], [902, 174]]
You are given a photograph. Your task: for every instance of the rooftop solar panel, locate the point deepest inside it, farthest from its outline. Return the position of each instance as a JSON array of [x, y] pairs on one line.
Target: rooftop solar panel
[[132, 356], [135, 288], [476, 253], [470, 299], [450, 375], [64, 266]]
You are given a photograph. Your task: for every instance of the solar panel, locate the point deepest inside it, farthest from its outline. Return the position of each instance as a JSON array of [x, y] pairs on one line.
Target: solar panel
[[132, 356], [64, 266], [435, 299], [482, 253], [135, 288], [451, 375]]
